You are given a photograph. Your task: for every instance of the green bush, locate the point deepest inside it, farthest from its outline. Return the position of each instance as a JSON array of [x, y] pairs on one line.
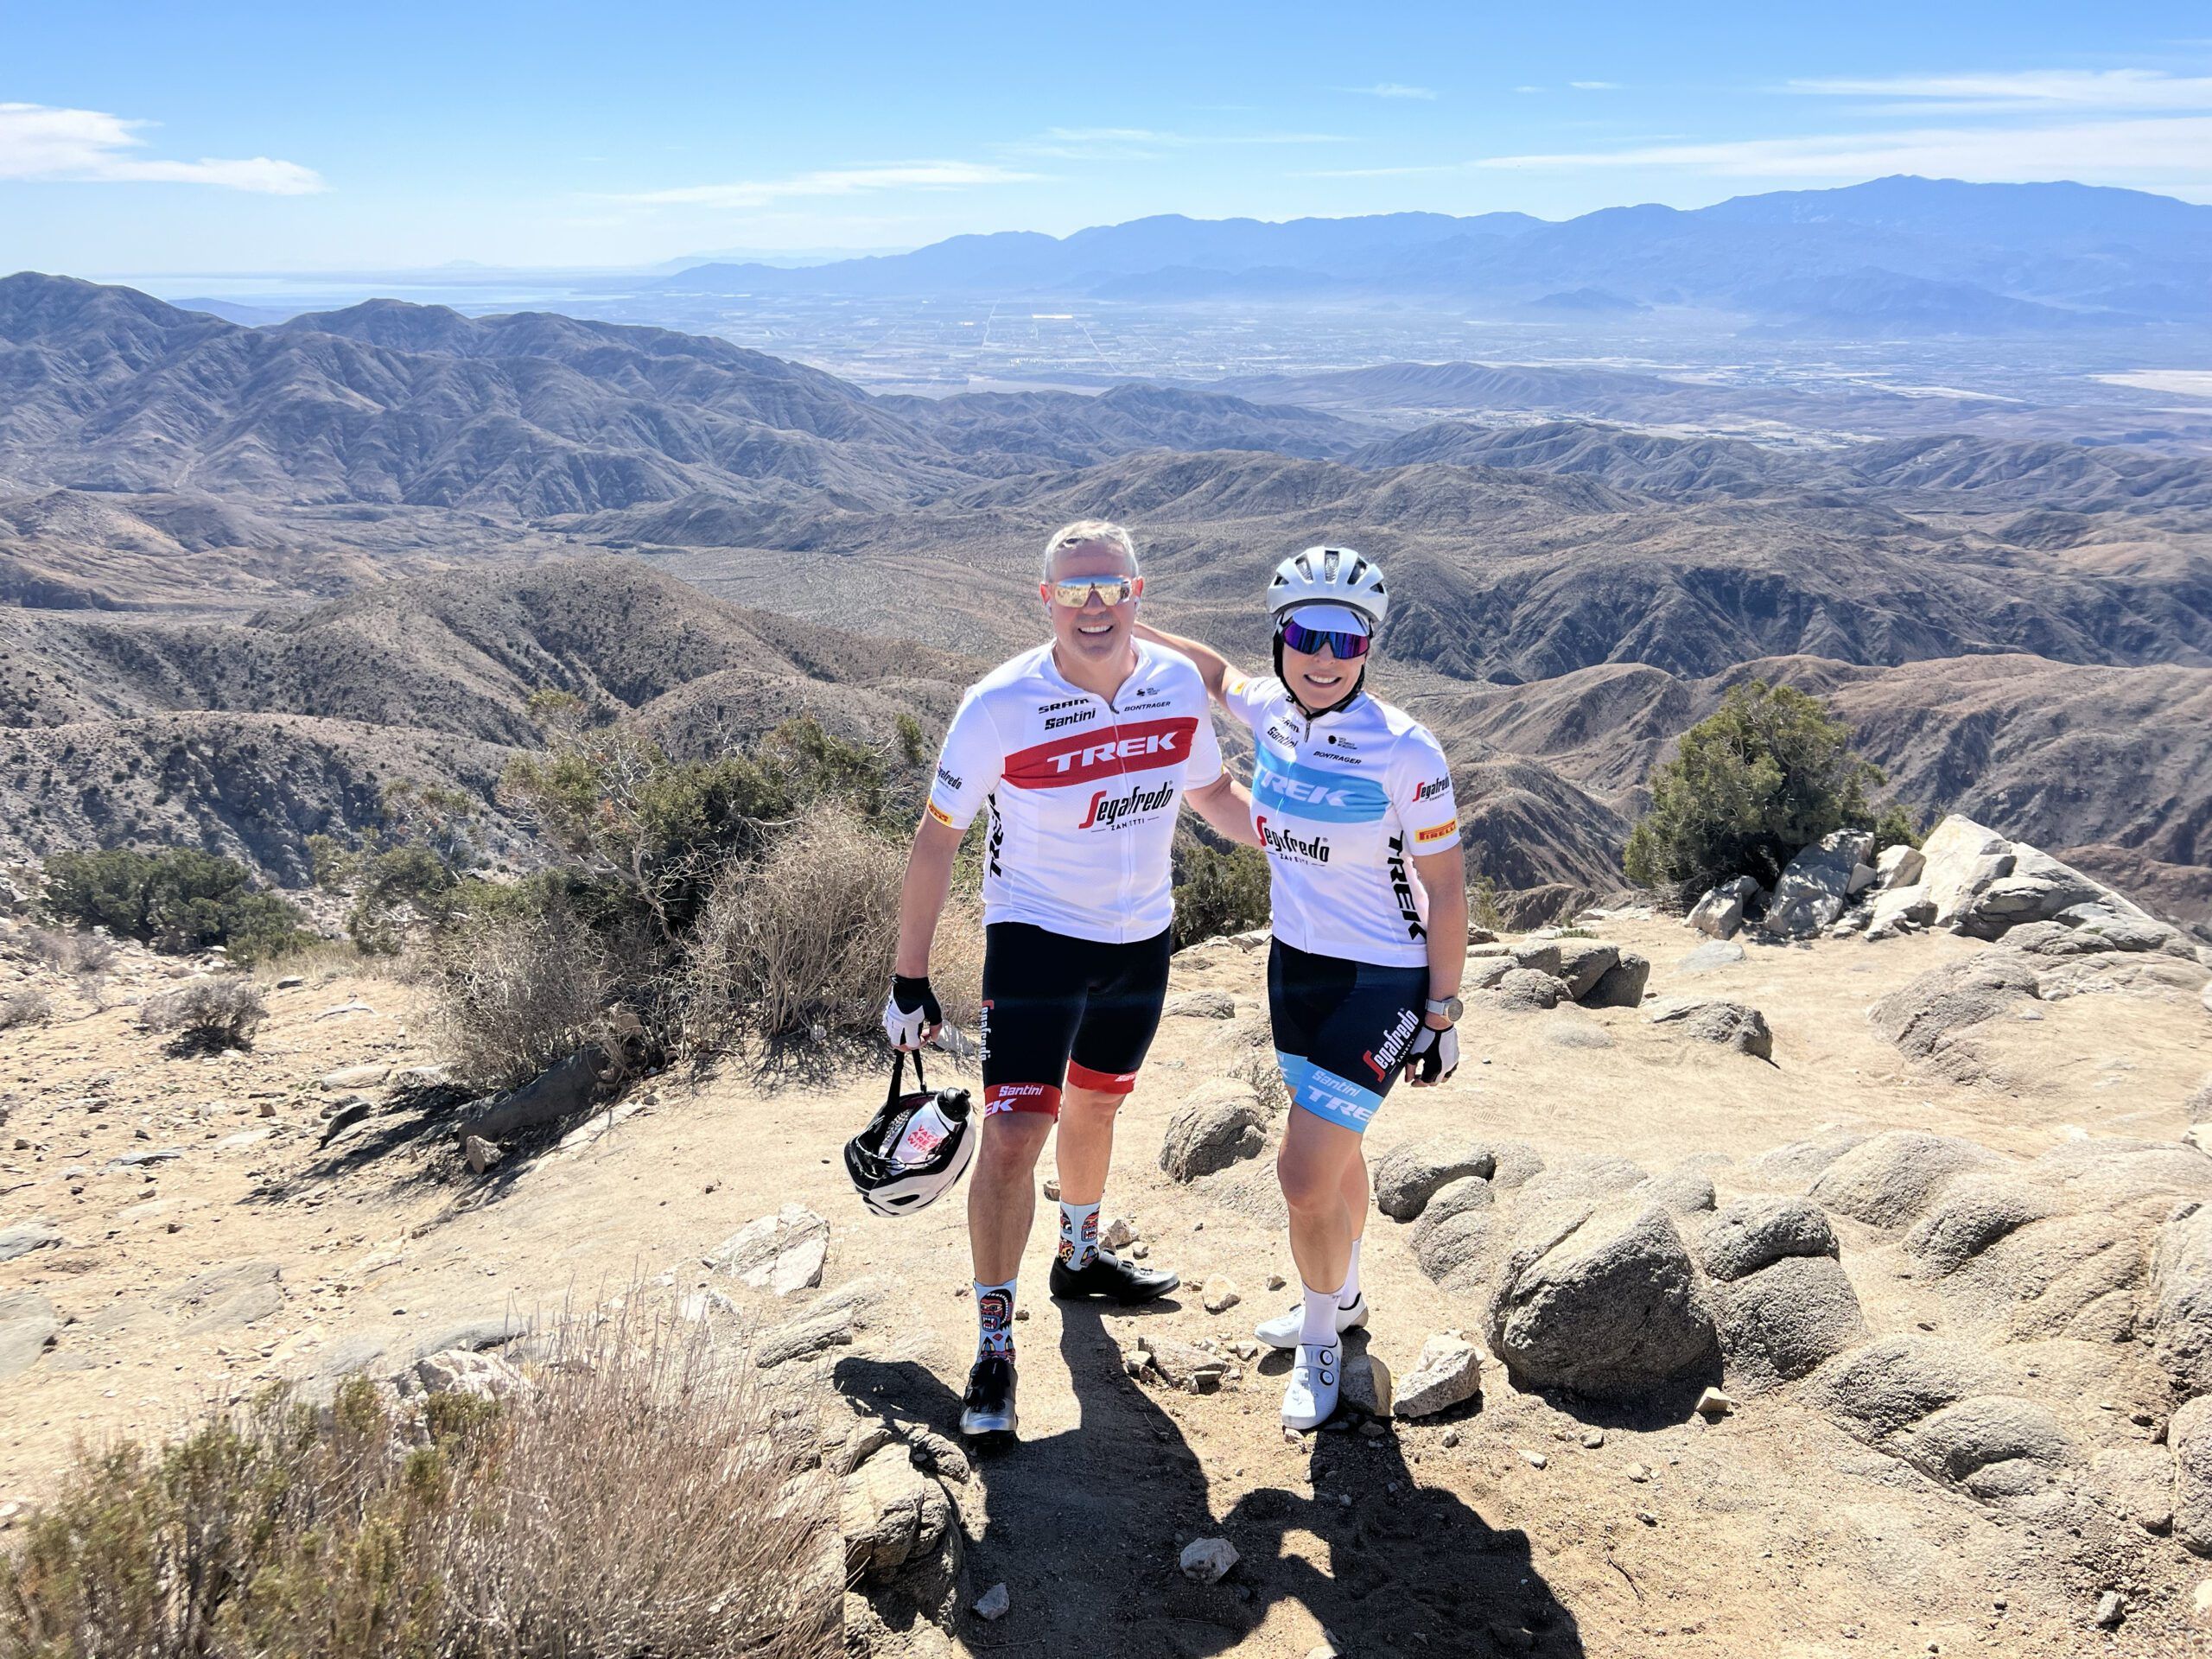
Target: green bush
[[1767, 774], [178, 899], [1218, 888]]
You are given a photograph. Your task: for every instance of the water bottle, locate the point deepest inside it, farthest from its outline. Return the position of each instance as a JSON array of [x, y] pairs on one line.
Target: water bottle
[[926, 1131]]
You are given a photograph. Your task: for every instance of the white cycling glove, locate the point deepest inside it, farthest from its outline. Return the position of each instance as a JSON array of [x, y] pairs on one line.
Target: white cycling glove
[[1434, 1055], [911, 1014]]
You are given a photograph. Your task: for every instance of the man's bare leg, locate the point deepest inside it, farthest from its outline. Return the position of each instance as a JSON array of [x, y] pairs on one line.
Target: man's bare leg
[[1002, 1192], [1085, 1149]]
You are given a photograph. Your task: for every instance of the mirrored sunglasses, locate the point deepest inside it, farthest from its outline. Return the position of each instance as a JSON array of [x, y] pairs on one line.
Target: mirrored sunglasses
[[1341, 643], [1074, 592]]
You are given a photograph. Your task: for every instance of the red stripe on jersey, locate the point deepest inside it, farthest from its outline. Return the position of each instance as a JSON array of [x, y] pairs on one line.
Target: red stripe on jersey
[[1140, 746]]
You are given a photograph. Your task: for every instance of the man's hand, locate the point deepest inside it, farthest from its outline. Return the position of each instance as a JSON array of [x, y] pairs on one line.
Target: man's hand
[[1434, 1057], [911, 1015]]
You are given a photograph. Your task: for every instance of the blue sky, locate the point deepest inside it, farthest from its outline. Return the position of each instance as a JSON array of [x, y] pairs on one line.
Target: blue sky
[[142, 138]]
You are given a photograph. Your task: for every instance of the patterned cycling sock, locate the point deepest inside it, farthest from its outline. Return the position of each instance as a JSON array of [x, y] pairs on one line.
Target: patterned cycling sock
[[1078, 1234], [994, 1320], [1350, 1293]]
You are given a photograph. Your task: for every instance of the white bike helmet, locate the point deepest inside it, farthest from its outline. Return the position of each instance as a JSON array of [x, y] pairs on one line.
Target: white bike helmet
[[1329, 575], [890, 1187]]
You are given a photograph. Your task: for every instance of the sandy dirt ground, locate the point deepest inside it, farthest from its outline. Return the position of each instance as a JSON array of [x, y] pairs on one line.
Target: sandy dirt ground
[[1511, 1524]]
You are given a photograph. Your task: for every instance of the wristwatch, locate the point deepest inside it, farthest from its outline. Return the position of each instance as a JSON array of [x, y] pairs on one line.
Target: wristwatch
[[1450, 1007]]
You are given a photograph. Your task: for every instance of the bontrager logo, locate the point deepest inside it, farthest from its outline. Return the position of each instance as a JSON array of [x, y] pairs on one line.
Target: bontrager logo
[[1104, 814], [1275, 840], [1431, 790]]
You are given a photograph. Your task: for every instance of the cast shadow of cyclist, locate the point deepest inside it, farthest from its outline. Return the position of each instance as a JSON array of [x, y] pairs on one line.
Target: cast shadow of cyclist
[[1085, 1528]]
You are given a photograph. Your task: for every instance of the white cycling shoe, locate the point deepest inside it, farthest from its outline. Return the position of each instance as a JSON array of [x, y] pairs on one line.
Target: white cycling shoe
[[1315, 1380], [1283, 1332]]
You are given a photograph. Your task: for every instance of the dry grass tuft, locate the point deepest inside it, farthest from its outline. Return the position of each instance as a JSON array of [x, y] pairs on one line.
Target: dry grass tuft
[[632, 1502], [515, 992], [222, 1011], [70, 951], [28, 1006], [803, 937]]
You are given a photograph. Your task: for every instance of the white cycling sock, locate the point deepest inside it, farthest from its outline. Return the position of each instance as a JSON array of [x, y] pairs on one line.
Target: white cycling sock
[[1350, 1293], [1078, 1233], [1318, 1327], [995, 1318]]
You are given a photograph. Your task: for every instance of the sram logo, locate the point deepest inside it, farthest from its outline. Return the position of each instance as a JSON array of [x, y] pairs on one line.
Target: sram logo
[[1140, 746]]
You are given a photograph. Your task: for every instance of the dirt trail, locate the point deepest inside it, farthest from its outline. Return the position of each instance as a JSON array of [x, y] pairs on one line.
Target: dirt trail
[[1497, 1528]]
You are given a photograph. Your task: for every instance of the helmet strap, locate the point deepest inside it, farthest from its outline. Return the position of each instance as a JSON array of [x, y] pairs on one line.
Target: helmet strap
[[1359, 680]]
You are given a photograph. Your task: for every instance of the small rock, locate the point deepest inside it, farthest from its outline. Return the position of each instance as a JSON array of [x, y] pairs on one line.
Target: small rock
[[481, 1153], [1367, 1385], [1639, 1472], [1207, 1560], [1118, 1234], [1713, 1404], [1221, 1298], [2200, 1605], [993, 1603], [1595, 1438], [1448, 1372], [1051, 1190], [291, 982], [367, 1075], [1201, 1005], [1276, 1281], [1451, 1438], [2111, 1610], [1536, 1459]]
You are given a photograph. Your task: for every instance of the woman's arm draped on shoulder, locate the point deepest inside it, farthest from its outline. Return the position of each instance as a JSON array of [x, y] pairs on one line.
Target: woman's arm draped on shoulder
[[1213, 668], [1226, 806], [1428, 817]]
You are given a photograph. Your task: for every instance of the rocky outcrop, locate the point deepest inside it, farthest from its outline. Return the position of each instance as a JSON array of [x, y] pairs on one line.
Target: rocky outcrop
[[1622, 985], [783, 1254], [1721, 911], [1731, 1024], [1408, 1176], [1812, 891], [2181, 1289]]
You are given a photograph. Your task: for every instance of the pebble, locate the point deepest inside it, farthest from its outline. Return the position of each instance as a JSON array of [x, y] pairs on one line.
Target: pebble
[[1595, 1438], [1275, 1282], [1450, 1437], [1207, 1560], [1221, 1298], [2110, 1610], [1713, 1404], [1639, 1472], [1536, 1459], [1052, 1192], [993, 1603]]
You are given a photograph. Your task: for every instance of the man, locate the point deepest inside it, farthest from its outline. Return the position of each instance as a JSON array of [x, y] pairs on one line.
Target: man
[[1081, 749]]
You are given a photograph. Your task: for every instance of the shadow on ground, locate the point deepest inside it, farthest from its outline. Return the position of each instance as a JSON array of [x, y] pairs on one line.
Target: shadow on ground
[[1085, 1528]]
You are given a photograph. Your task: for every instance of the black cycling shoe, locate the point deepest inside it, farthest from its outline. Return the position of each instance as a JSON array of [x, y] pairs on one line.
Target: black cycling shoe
[[988, 1406], [1107, 1275]]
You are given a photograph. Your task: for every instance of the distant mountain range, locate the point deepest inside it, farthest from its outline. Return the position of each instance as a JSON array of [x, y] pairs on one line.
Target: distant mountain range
[[1893, 256]]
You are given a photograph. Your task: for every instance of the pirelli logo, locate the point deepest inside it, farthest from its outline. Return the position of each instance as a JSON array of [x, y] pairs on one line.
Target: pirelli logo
[[941, 815], [1422, 837]]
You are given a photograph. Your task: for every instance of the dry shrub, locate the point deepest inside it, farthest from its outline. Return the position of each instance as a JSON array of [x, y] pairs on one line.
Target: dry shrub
[[28, 1006], [71, 950], [516, 992], [803, 937], [222, 1011], [634, 1502]]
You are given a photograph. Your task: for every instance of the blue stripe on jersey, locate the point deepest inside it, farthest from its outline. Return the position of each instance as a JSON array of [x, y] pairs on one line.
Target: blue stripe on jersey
[[1306, 792]]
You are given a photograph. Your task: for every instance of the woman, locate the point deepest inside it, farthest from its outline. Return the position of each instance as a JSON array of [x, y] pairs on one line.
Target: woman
[[1352, 800]]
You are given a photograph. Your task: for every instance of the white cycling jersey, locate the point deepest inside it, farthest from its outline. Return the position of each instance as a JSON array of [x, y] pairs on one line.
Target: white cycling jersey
[[1082, 792], [1343, 804]]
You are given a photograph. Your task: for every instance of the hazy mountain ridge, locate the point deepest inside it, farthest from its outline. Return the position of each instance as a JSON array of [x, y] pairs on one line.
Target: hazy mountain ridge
[[1894, 255]]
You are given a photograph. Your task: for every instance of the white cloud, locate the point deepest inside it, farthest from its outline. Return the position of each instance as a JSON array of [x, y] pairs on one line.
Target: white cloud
[[1393, 89], [40, 142], [2157, 146], [1595, 85], [838, 181], [1144, 143], [2034, 89]]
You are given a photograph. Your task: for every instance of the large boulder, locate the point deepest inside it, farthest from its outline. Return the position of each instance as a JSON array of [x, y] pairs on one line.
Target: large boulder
[[1217, 1123], [1888, 1179], [1755, 1233], [1620, 986], [1583, 963], [1896, 909], [1732, 1025], [1994, 1446], [1959, 859], [1720, 911], [2038, 888], [1521, 990], [2180, 1292], [1785, 1319], [1452, 1198], [1895, 1381], [1812, 892], [1459, 1253], [1606, 1304], [1409, 1175]]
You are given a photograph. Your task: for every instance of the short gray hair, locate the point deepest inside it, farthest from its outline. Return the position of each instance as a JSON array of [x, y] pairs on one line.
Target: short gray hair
[[1083, 533]]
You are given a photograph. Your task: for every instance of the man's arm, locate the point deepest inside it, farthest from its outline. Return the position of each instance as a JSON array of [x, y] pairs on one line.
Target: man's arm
[[922, 896], [1226, 805], [1213, 668], [1445, 876]]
